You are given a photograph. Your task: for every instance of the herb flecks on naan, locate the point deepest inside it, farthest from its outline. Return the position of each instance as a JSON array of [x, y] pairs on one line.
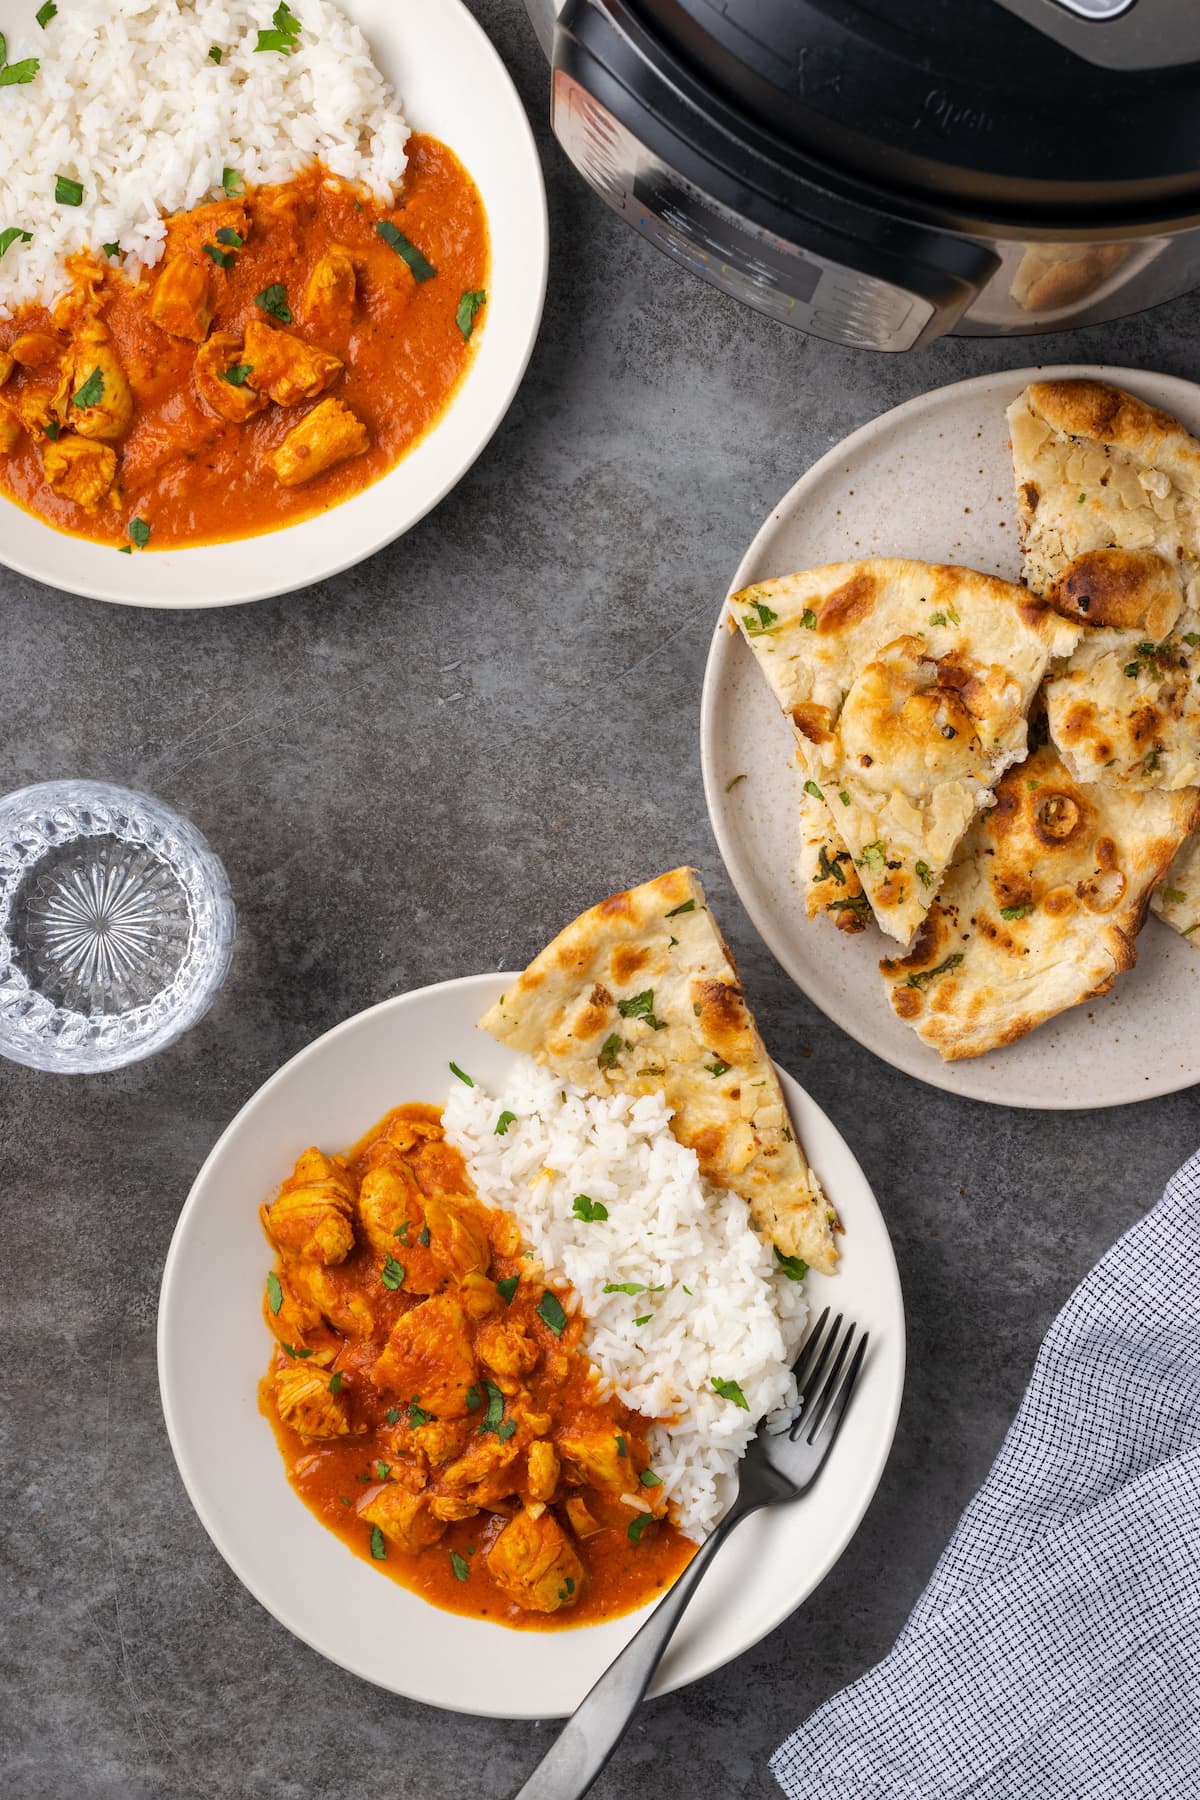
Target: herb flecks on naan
[[640, 995], [1176, 900], [831, 885], [1041, 910], [907, 684], [1108, 490]]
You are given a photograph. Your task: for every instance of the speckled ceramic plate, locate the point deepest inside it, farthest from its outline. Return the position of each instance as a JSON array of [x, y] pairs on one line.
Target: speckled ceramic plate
[[306, 1577], [932, 480], [452, 83]]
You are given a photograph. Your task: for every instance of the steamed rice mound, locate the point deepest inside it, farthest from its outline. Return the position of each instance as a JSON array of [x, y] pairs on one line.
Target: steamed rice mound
[[129, 103], [711, 1299]]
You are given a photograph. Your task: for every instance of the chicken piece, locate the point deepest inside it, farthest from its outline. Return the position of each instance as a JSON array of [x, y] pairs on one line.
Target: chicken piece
[[404, 1519], [541, 1469], [10, 431], [438, 1168], [299, 1322], [406, 1129], [451, 1507], [485, 1473], [595, 1450], [308, 1403], [534, 1564], [582, 1522], [505, 1349], [188, 232], [35, 409], [235, 401], [440, 1440], [80, 471], [94, 397], [479, 1296], [285, 367], [329, 295], [393, 1219], [6, 366], [312, 1222], [429, 1358], [37, 350], [336, 1299], [312, 1216], [330, 434], [182, 302], [458, 1237]]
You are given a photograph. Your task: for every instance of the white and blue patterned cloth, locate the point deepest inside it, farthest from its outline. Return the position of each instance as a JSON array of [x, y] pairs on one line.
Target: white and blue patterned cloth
[[1055, 1654]]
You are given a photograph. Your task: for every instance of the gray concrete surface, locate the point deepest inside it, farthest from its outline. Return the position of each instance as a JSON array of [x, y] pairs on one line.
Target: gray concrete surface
[[420, 770]]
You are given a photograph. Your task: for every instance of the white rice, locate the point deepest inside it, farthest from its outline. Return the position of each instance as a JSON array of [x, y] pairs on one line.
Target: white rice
[[667, 1229], [128, 102]]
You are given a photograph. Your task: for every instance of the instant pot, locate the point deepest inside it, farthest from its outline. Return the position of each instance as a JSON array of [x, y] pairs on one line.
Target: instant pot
[[878, 174]]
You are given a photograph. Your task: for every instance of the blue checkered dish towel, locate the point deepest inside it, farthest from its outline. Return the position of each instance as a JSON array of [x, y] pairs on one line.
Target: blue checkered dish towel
[[1055, 1654]]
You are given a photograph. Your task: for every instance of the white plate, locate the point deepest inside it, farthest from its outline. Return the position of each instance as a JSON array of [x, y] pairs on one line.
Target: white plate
[[452, 84], [931, 479], [213, 1348]]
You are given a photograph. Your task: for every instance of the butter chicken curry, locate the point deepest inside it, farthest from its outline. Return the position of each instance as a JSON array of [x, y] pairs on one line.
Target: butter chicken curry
[[432, 1400], [291, 345]]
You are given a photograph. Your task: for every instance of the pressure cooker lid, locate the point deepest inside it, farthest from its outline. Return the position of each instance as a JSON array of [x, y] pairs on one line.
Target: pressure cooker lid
[[967, 100]]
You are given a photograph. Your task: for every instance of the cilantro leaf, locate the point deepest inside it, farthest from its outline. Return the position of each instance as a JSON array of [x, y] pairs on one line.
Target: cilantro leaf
[[550, 1311], [730, 1390], [422, 268]]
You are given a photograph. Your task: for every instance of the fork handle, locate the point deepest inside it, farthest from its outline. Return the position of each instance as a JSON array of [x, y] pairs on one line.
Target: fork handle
[[594, 1730]]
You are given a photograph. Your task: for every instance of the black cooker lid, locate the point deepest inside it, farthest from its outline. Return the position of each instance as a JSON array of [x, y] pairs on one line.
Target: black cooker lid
[[963, 100]]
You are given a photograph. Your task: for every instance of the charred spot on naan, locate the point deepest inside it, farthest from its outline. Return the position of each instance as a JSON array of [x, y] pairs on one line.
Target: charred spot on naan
[[721, 1015], [1132, 590], [848, 604]]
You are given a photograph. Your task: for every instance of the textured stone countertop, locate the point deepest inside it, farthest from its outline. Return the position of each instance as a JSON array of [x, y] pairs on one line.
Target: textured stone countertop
[[418, 770]]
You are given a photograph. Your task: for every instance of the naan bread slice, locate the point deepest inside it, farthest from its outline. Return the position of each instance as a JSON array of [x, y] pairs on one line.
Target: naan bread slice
[[640, 996], [1176, 900], [907, 684], [1041, 910], [1108, 490], [832, 889]]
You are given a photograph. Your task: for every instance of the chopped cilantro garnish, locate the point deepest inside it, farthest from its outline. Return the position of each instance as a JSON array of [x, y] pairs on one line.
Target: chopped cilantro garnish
[[273, 300], [233, 184], [621, 1446], [460, 1565], [139, 533], [503, 1122], [687, 906], [224, 259], [924, 976], [468, 306], [299, 1355], [417, 1416], [923, 872], [623, 1287], [610, 1049], [587, 1209], [474, 1401], [215, 53], [335, 1382], [378, 1547], [830, 871], [550, 1311], [641, 1006], [1173, 896], [464, 1078], [45, 13], [402, 1232], [1150, 762], [810, 787], [423, 1237], [637, 1525], [392, 1416], [717, 1068], [495, 1408], [286, 33], [851, 903], [844, 797], [10, 236], [794, 1267], [237, 373], [91, 392], [227, 235], [381, 1470], [111, 250], [729, 1390], [649, 1479], [20, 74], [1015, 912], [507, 1288], [422, 268], [392, 1274], [644, 1320], [274, 1292], [808, 619], [874, 855], [937, 618], [759, 620]]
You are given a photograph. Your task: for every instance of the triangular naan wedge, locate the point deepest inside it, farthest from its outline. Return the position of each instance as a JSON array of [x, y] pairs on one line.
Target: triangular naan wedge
[[639, 995], [1042, 909], [1108, 489], [907, 684]]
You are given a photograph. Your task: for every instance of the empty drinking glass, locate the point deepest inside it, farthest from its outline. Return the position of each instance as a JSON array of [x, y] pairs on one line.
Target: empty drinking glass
[[116, 926]]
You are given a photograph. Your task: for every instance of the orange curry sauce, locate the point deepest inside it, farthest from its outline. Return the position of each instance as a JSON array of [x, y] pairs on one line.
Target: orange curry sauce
[[431, 1399], [191, 475]]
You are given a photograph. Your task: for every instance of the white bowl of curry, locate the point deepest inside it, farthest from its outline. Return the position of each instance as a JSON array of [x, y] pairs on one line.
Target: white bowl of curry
[[304, 1530], [304, 374]]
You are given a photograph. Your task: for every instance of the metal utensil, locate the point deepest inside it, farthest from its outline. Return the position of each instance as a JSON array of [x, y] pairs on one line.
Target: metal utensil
[[784, 1459]]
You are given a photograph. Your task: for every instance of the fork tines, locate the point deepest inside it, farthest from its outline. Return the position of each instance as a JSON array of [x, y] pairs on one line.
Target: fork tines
[[823, 1394]]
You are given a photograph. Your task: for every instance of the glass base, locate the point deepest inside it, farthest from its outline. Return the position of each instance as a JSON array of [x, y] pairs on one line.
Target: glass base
[[116, 926]]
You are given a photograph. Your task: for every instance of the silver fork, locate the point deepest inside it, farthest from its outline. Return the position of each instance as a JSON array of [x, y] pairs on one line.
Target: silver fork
[[784, 1459]]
